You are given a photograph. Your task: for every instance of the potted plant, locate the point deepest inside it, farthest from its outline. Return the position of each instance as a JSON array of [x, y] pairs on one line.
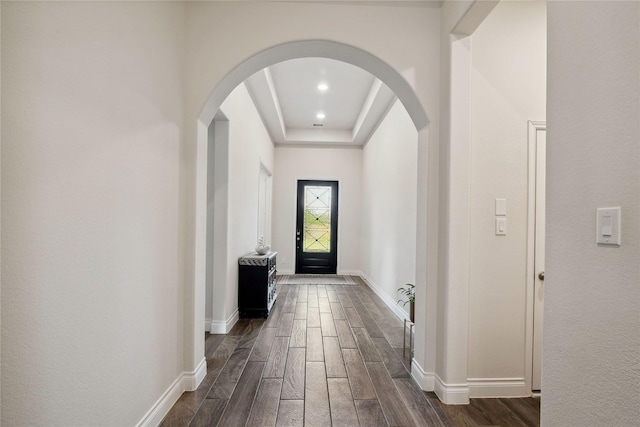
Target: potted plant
[[409, 291]]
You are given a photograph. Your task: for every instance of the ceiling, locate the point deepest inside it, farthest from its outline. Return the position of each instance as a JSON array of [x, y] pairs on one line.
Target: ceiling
[[288, 98]]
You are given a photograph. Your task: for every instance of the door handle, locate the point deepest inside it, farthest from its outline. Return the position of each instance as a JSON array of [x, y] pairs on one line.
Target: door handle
[[541, 275]]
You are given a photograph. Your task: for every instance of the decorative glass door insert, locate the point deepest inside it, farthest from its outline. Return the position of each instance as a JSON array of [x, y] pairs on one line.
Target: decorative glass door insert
[[317, 219]]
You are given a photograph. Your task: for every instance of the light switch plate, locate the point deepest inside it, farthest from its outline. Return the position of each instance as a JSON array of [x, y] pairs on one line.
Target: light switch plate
[[501, 226], [501, 207], [608, 229]]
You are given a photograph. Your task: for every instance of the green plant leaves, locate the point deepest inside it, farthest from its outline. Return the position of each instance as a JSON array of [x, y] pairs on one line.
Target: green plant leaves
[[409, 292]]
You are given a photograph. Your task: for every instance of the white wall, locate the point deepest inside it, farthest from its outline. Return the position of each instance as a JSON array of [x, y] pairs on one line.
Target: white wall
[[448, 362], [248, 146], [389, 190], [92, 225], [508, 88], [331, 164], [217, 229], [591, 354]]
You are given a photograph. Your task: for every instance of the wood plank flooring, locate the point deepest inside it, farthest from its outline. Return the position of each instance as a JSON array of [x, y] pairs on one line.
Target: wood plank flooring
[[328, 355]]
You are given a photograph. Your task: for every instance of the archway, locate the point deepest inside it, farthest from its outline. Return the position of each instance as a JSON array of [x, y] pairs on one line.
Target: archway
[[321, 49], [268, 57]]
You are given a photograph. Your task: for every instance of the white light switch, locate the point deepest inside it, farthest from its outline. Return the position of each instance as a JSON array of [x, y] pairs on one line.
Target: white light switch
[[501, 226], [608, 226], [501, 207]]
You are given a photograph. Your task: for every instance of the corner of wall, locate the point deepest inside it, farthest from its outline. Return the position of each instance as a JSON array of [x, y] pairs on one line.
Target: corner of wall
[[186, 381], [390, 302], [222, 326], [426, 380], [451, 394]]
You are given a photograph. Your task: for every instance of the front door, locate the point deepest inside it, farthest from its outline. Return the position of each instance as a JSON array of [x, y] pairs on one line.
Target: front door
[[317, 227]]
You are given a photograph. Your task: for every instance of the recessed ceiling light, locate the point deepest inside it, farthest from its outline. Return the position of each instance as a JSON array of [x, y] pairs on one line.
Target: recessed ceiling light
[[320, 116], [323, 87]]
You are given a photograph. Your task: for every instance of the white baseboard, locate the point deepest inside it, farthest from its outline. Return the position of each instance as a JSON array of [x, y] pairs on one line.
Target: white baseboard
[[391, 303], [349, 272], [451, 394], [186, 381], [193, 379], [282, 272], [498, 387], [221, 326], [424, 379]]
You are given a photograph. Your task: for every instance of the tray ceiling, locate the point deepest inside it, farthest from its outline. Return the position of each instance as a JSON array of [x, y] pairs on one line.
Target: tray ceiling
[[319, 101]]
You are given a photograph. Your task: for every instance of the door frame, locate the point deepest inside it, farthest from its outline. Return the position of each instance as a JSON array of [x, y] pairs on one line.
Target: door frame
[[335, 226], [533, 128]]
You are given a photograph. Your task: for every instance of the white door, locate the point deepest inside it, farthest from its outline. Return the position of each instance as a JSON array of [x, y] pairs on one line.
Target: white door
[[538, 294]]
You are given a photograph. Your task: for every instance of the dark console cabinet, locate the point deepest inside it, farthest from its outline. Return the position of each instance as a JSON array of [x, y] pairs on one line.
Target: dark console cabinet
[[257, 284]]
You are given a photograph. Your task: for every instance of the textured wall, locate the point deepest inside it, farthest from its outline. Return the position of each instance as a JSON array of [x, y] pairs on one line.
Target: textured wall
[[92, 270], [591, 359]]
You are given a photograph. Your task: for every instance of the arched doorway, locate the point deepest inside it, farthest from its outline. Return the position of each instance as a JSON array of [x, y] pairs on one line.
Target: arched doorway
[[279, 53]]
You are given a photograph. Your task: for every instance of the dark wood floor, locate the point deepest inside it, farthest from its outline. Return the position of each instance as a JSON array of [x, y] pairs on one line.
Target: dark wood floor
[[327, 355]]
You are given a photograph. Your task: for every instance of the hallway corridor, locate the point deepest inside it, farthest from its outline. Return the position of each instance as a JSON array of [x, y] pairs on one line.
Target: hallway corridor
[[327, 355]]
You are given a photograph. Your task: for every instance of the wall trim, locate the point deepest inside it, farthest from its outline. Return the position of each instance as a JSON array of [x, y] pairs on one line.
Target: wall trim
[[223, 327], [498, 387], [391, 303], [283, 272], [451, 394], [349, 272], [530, 285], [186, 381], [424, 379], [193, 379]]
